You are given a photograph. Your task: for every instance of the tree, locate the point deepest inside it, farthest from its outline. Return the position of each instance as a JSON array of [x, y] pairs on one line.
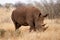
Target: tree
[[17, 4]]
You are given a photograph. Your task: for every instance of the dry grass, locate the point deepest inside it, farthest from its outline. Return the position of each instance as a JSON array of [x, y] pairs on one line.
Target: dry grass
[[7, 30]]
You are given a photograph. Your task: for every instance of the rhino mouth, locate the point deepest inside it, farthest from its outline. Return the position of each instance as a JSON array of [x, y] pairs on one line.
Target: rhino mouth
[[42, 28]]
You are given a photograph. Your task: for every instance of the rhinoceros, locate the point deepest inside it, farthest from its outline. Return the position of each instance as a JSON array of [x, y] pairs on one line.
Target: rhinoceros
[[28, 16]]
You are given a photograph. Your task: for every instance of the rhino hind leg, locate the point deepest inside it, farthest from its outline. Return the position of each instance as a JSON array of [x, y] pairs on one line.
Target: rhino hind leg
[[17, 25]]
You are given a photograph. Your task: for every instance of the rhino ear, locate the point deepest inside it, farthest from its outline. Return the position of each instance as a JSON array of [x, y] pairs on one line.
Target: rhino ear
[[39, 14], [45, 15]]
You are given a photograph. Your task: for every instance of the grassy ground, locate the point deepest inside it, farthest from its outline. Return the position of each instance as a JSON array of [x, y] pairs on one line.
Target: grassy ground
[[7, 29]]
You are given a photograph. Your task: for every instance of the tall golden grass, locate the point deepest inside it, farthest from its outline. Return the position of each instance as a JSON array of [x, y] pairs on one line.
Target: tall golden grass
[[7, 29]]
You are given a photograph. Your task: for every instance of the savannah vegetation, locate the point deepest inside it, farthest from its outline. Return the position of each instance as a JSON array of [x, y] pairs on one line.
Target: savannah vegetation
[[7, 29]]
